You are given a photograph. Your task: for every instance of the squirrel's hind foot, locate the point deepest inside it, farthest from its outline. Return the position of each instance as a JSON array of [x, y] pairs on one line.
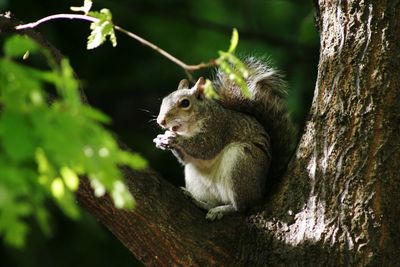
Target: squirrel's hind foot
[[201, 204], [218, 212]]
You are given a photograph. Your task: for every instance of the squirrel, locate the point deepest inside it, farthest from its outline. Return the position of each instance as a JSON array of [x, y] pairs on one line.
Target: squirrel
[[229, 145]]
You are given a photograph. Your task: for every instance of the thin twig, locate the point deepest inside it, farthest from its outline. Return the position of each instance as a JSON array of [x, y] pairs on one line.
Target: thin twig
[[53, 17], [164, 53]]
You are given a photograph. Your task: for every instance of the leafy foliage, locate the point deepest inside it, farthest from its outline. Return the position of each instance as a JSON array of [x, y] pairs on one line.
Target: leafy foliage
[[45, 146], [234, 67], [231, 65], [101, 28]]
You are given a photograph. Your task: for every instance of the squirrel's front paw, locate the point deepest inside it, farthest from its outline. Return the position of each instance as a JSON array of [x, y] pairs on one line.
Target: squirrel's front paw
[[166, 140]]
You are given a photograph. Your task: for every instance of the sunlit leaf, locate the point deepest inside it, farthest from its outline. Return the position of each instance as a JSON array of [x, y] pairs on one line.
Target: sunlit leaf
[[234, 41], [209, 90], [87, 5], [121, 196], [99, 189], [57, 188], [101, 29], [42, 162], [26, 55], [71, 179], [235, 70]]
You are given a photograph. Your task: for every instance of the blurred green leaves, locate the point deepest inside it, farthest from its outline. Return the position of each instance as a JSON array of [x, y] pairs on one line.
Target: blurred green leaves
[[45, 147], [18, 45]]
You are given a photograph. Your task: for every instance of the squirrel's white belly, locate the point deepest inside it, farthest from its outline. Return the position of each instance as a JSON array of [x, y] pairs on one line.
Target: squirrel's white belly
[[210, 180]]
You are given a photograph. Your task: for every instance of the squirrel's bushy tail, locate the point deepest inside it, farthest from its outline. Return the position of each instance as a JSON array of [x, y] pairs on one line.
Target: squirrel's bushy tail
[[267, 104]]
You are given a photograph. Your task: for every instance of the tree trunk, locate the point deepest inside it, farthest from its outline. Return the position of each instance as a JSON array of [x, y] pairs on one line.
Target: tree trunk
[[337, 204], [343, 185]]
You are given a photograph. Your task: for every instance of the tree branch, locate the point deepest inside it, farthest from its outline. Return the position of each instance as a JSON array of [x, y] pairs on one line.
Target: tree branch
[[165, 225], [54, 17], [141, 40]]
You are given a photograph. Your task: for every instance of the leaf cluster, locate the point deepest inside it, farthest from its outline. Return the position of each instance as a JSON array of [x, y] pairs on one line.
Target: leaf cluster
[[232, 66], [47, 143], [100, 29]]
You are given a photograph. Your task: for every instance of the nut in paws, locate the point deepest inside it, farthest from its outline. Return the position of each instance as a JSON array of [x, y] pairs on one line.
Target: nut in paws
[[165, 141]]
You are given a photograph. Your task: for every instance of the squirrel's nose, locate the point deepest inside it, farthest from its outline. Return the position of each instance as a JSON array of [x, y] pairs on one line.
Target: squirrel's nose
[[161, 121]]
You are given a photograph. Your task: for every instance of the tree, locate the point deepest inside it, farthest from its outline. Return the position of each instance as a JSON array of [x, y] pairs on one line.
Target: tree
[[337, 202]]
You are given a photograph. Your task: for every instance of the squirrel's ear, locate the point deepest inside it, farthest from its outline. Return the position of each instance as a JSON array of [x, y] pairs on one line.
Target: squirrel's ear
[[183, 84], [199, 88]]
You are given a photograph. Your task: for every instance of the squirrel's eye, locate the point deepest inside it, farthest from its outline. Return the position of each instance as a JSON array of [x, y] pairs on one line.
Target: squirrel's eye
[[185, 103]]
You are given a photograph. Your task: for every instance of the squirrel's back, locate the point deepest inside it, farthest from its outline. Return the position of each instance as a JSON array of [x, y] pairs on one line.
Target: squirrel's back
[[266, 104]]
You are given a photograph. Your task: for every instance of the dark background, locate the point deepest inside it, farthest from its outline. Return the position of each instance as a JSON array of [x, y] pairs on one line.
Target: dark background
[[129, 81]]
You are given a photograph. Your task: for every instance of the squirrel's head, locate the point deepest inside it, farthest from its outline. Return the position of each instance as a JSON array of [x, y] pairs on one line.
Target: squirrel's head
[[180, 111]]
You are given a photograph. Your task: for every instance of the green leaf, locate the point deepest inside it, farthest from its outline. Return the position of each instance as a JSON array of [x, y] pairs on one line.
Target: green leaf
[[16, 234], [68, 205], [233, 67], [42, 162], [101, 29], [234, 41], [42, 217], [16, 136], [133, 160], [209, 90], [121, 196], [17, 85], [87, 5], [99, 188], [95, 114], [66, 84], [71, 179], [57, 188], [18, 45], [235, 70]]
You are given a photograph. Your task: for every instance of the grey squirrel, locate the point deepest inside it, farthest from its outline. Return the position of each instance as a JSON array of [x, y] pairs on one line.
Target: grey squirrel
[[229, 145]]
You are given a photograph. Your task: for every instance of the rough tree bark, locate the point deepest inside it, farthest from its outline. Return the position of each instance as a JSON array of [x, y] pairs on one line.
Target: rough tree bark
[[337, 204]]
